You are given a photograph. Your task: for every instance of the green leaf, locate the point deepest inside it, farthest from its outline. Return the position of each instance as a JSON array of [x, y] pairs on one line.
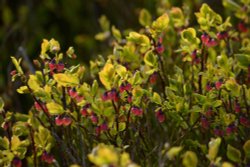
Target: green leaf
[[4, 143], [106, 74], [33, 83], [17, 64], [1, 103], [150, 59], [44, 48], [190, 159], [156, 98], [227, 164], [246, 148], [232, 86], [243, 59], [137, 79], [173, 152], [66, 79], [54, 108], [94, 87], [15, 143], [233, 154], [177, 16], [23, 90], [189, 41], [121, 70], [20, 129], [102, 36], [104, 22], [208, 18], [43, 139], [139, 39], [116, 33], [161, 23], [70, 52], [145, 18], [216, 103], [214, 146], [54, 46]]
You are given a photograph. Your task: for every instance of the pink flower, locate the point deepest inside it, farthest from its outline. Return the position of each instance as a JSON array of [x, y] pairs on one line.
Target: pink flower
[[47, 158], [137, 111], [160, 116]]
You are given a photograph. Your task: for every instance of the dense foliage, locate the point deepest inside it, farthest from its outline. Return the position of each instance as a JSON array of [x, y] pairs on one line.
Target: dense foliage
[[170, 94]]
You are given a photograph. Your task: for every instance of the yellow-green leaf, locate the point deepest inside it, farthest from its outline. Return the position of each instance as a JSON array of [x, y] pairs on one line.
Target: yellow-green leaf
[[121, 70], [15, 142], [145, 17], [66, 79], [33, 82], [173, 152], [1, 103], [17, 64], [116, 33], [150, 59], [161, 23], [190, 159], [23, 89], [106, 74], [214, 146], [227, 164], [54, 108], [139, 39], [156, 98], [246, 148], [233, 154]]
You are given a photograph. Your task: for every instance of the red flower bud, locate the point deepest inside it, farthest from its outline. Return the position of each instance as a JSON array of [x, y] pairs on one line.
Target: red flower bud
[[60, 67], [218, 85], [16, 162], [160, 48], [129, 98], [59, 120], [244, 121], [242, 27], [211, 43], [125, 87], [137, 111], [104, 126], [222, 35], [94, 118], [66, 121], [72, 93], [13, 72], [47, 158], [205, 38], [160, 116], [237, 107], [153, 78], [204, 122]]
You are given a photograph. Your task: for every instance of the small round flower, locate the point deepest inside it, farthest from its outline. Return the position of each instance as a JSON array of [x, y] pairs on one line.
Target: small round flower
[[204, 122], [222, 35], [13, 72], [16, 162], [66, 121], [153, 78], [47, 157], [137, 111], [160, 48], [60, 67], [218, 84], [160, 116], [59, 120], [242, 27]]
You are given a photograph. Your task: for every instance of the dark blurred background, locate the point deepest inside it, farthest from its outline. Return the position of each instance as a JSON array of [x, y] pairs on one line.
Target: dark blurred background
[[25, 23]]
